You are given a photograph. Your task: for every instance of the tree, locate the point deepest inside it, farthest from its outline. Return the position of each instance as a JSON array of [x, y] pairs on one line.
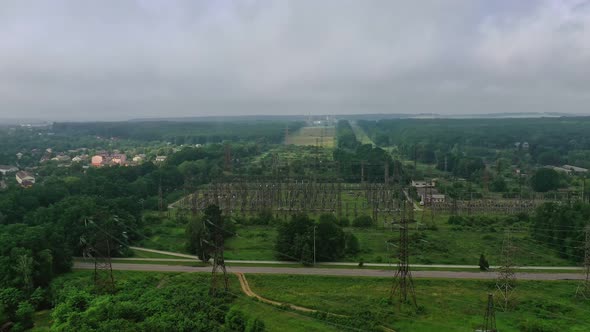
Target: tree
[[199, 239], [545, 179], [498, 185], [483, 263], [330, 240], [352, 244], [295, 239], [362, 221]]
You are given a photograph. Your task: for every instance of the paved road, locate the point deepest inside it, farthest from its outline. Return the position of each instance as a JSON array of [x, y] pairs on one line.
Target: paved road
[[190, 258], [333, 272]]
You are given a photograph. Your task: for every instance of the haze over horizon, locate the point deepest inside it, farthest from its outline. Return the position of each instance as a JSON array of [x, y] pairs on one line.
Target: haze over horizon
[[117, 60]]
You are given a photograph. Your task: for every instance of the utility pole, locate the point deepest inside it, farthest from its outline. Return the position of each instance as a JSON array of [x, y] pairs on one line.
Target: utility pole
[[584, 288], [314, 227], [489, 320], [506, 281], [402, 280]]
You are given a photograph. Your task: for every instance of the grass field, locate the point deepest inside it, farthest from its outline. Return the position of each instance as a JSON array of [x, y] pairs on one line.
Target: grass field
[[445, 305], [322, 136], [443, 244], [360, 134]]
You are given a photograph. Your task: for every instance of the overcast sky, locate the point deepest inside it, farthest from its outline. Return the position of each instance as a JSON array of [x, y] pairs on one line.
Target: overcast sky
[[120, 59]]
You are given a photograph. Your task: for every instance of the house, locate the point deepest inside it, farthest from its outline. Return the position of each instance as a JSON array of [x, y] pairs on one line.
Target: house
[[7, 169], [525, 145], [80, 158], [3, 185], [139, 158], [25, 179], [98, 161], [61, 158], [575, 169], [160, 159], [19, 155], [119, 159]]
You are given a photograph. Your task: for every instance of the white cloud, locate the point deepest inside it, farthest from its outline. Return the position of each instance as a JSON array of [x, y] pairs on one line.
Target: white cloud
[[68, 59]]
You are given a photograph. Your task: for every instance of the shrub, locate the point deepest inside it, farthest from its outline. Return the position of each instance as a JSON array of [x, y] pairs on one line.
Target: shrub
[[362, 221], [255, 325]]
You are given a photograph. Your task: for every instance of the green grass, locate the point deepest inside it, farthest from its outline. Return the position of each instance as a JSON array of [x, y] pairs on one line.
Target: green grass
[[446, 305], [253, 243], [42, 321], [278, 319]]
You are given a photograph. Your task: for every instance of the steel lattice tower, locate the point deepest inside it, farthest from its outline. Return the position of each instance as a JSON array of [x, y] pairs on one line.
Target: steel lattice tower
[[403, 285], [219, 272], [584, 288], [100, 253], [489, 320], [506, 281]]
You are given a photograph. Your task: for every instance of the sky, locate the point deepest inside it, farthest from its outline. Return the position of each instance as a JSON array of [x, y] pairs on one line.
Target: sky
[[122, 59]]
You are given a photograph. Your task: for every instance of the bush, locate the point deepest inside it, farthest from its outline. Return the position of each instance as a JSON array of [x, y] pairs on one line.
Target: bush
[[24, 314], [255, 325], [362, 221], [344, 222], [235, 321]]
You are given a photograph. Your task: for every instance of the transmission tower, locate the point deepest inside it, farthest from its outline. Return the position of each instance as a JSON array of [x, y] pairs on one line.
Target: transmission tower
[[506, 281], [584, 288], [403, 285], [489, 320], [227, 159], [219, 272], [100, 253]]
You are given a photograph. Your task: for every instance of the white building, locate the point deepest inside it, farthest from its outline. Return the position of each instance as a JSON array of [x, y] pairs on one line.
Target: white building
[[4, 169]]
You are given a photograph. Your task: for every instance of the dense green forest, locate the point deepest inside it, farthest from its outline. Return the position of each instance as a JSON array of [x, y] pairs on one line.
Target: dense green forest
[[183, 132]]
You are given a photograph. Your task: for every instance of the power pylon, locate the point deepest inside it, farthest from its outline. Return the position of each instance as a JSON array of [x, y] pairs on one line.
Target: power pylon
[[227, 159], [506, 281], [219, 272], [489, 320], [403, 285], [100, 253], [584, 288]]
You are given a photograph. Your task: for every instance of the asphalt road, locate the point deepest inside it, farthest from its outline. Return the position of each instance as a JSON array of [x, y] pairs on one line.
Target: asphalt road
[[334, 272], [189, 258]]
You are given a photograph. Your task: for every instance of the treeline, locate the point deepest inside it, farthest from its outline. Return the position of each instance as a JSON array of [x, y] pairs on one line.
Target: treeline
[[352, 155], [551, 140], [183, 132], [561, 227]]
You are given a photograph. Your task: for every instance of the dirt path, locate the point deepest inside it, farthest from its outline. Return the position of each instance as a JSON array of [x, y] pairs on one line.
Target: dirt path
[[246, 289]]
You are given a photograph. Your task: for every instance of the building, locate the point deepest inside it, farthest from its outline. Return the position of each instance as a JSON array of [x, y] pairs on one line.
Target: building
[[62, 158], [25, 179], [428, 198], [4, 169], [139, 158], [119, 159], [575, 169], [560, 169], [98, 161], [423, 184], [160, 159]]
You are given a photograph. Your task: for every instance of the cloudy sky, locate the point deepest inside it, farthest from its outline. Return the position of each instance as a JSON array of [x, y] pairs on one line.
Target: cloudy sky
[[120, 59]]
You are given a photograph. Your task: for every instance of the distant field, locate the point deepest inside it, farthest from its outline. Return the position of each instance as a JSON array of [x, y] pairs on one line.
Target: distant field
[[323, 136]]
